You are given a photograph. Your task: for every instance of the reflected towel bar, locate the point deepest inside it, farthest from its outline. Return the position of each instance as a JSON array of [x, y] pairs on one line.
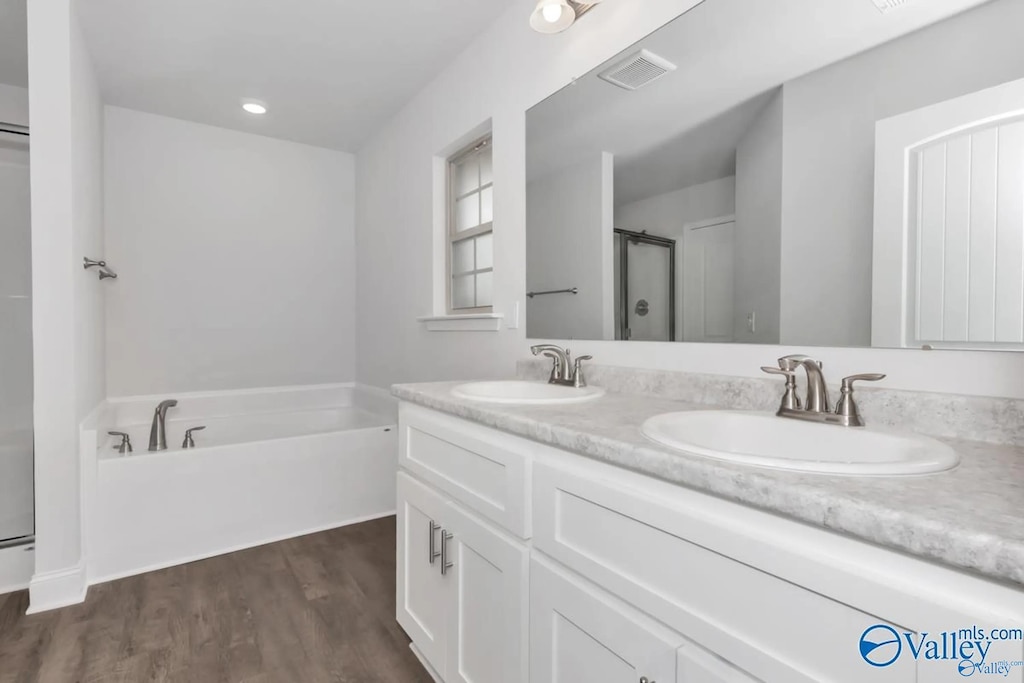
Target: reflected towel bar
[[572, 290]]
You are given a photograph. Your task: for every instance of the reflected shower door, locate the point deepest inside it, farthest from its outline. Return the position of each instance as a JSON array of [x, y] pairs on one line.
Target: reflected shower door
[[16, 482], [646, 287]]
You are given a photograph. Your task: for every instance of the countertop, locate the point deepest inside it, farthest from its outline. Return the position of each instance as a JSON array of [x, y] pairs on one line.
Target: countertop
[[971, 517]]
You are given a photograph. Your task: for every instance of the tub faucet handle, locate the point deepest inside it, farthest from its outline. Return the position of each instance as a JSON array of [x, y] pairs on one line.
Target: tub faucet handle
[[189, 442], [126, 442]]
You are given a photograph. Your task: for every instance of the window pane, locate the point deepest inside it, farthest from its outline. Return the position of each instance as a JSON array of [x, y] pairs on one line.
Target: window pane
[[467, 213], [486, 174], [484, 287], [462, 292], [462, 257], [484, 251], [487, 205], [466, 175]]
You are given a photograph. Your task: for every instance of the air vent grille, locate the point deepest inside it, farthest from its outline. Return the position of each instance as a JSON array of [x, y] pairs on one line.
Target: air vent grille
[[637, 70], [885, 6]]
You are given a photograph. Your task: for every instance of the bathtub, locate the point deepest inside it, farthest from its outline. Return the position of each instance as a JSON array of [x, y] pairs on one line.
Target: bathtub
[[269, 465]]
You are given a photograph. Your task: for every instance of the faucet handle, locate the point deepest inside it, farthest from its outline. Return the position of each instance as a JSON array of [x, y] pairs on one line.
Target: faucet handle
[[189, 442], [126, 442], [577, 372], [846, 407], [866, 377], [790, 401]]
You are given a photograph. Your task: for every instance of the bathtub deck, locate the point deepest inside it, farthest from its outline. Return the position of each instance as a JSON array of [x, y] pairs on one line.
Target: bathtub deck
[[316, 608]]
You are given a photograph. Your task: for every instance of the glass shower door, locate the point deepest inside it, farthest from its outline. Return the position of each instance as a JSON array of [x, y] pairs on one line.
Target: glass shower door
[[645, 287], [16, 452]]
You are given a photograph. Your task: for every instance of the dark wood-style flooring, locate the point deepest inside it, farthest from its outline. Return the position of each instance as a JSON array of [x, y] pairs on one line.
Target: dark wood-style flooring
[[316, 608]]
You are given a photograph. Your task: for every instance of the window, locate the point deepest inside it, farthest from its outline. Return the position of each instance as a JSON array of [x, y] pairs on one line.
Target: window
[[470, 229]]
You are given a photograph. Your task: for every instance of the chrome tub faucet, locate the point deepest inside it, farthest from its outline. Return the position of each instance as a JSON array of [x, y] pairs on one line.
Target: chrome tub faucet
[[158, 432], [564, 371], [816, 407]]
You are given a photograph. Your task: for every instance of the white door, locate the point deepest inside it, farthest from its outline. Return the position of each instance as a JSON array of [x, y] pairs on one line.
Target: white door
[[487, 608], [422, 601], [707, 280], [949, 224], [580, 633]]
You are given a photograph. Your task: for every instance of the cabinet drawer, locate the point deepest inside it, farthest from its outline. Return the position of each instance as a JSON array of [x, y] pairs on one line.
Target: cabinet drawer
[[639, 550], [485, 470]]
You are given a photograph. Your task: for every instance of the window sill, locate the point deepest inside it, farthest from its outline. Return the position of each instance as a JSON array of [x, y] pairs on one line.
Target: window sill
[[472, 322]]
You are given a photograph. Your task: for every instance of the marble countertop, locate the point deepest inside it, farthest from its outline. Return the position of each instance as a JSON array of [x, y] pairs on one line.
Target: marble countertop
[[971, 517]]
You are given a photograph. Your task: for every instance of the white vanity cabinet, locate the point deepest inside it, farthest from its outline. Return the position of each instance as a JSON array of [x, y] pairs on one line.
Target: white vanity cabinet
[[567, 570]]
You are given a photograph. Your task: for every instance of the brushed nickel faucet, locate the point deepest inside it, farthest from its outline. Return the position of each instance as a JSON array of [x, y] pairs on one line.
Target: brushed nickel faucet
[[158, 432], [561, 373], [816, 407]]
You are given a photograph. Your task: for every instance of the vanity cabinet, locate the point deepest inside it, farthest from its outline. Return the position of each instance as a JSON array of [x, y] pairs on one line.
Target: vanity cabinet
[[462, 586], [564, 569]]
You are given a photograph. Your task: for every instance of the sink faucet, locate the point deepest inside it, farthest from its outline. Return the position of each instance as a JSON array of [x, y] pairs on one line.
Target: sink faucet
[[563, 371], [816, 408], [158, 433]]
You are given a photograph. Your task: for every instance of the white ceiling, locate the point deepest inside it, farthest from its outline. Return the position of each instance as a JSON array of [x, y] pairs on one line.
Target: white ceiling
[[729, 53], [13, 43], [330, 70]]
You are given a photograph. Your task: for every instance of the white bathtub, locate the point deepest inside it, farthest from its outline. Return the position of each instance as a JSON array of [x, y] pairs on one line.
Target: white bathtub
[[271, 464]]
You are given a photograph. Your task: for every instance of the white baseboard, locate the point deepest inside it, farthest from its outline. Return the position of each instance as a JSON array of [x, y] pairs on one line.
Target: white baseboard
[[16, 566], [60, 588], [244, 546]]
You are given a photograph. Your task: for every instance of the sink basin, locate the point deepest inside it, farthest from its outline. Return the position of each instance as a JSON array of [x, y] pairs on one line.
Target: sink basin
[[527, 393], [765, 440]]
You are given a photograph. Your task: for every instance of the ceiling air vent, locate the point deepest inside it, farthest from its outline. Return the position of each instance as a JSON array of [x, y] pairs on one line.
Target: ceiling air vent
[[638, 70], [886, 6]]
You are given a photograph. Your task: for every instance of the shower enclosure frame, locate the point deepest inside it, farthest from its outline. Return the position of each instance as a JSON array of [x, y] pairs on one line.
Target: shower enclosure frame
[[628, 236]]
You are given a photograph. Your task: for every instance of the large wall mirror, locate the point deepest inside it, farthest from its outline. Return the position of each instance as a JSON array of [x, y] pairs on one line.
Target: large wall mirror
[[795, 172]]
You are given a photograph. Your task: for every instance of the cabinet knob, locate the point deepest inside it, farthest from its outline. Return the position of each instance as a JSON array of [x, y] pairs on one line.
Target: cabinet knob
[[644, 679]]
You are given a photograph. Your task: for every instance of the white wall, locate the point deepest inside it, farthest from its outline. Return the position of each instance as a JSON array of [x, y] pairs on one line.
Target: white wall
[[666, 214], [507, 70], [67, 317], [235, 256], [829, 142], [759, 226], [570, 221]]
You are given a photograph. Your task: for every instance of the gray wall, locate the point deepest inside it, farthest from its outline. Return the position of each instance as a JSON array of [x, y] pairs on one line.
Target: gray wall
[[759, 225]]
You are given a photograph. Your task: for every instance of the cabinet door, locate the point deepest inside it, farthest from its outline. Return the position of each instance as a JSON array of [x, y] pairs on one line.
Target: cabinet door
[[421, 599], [488, 608], [696, 665], [580, 633]]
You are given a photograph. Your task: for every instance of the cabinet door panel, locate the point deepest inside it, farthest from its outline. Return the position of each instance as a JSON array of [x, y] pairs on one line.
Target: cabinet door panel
[[488, 603], [579, 633], [698, 666], [421, 598]]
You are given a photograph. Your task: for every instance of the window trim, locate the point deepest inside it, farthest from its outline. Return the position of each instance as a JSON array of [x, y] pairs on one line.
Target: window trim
[[453, 236]]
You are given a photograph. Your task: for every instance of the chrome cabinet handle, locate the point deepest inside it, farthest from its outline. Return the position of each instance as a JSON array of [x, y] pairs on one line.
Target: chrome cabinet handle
[[434, 528], [445, 564]]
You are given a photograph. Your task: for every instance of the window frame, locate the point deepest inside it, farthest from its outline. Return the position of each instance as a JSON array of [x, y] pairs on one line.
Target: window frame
[[454, 236]]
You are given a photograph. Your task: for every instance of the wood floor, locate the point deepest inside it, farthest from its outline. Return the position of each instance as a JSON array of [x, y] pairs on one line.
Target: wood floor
[[316, 608]]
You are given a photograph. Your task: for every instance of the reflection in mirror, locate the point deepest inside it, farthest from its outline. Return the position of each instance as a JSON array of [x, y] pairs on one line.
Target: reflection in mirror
[[794, 172]]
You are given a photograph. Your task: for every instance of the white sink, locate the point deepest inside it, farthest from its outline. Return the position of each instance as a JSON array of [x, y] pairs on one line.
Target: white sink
[[527, 393], [765, 440]]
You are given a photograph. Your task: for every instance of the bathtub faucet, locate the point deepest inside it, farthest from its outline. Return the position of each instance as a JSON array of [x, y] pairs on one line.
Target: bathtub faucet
[[158, 433]]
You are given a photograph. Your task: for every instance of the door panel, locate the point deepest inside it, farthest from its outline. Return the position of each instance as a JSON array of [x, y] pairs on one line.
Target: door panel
[[708, 272], [421, 600], [487, 601], [648, 284], [579, 633]]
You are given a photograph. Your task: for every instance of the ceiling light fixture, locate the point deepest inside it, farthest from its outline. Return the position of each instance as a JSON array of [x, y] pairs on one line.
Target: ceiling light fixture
[[254, 107], [554, 16]]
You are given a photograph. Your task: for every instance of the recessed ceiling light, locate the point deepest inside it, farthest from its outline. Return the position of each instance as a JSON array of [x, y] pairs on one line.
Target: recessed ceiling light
[[254, 107]]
